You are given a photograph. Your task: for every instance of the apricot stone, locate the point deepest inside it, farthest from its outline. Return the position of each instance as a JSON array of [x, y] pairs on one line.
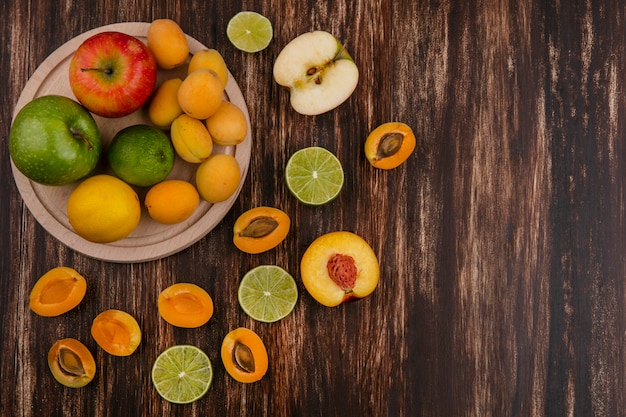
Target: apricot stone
[[244, 355], [260, 229], [389, 145], [71, 363], [57, 291], [185, 305], [117, 332]]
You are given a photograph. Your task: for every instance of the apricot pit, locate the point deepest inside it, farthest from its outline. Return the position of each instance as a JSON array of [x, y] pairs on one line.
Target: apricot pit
[[57, 291], [71, 363], [389, 145], [260, 229], [244, 355], [185, 305]]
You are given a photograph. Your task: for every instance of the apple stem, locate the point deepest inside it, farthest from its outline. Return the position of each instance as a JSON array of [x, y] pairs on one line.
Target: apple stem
[[79, 135], [107, 71]]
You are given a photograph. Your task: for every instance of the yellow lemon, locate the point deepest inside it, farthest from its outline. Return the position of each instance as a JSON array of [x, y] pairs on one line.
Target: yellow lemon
[[103, 209], [172, 201]]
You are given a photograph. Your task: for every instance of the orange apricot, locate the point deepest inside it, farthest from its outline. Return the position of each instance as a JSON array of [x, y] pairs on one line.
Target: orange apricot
[[57, 291], [389, 145], [71, 363], [168, 43], [260, 229], [185, 305], [244, 355], [117, 332]]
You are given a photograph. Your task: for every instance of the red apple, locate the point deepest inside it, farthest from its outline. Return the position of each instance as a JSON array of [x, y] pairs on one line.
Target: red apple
[[112, 74]]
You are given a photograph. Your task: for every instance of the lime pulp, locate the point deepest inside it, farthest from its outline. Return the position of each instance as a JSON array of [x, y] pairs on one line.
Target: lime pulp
[[314, 175], [267, 293], [249, 31]]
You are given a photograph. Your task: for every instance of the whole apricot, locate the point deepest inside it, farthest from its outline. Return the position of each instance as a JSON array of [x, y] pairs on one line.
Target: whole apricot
[[191, 139], [228, 125], [260, 229], [57, 291], [218, 177], [201, 93], [172, 201], [117, 332], [71, 363], [164, 108], [209, 59], [389, 145], [244, 355], [168, 43], [185, 305]]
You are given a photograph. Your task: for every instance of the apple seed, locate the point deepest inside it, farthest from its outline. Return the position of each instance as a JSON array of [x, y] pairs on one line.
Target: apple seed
[[342, 270]]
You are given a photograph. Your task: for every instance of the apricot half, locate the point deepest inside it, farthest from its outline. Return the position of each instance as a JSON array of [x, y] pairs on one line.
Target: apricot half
[[185, 305], [339, 267], [244, 355], [260, 229], [57, 291], [71, 363], [389, 145], [117, 332]]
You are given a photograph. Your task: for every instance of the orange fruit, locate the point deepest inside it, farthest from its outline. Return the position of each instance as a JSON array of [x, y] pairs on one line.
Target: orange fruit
[[172, 201]]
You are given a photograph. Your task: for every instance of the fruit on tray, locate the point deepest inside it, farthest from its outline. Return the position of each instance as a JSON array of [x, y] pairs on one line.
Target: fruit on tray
[[185, 305], [54, 141], [318, 71], [228, 125], [218, 177], [200, 94], [117, 332], [338, 267], [71, 363], [164, 108], [168, 43], [57, 291], [209, 59], [191, 139], [103, 209], [112, 74], [260, 229], [182, 374], [244, 355], [389, 145], [172, 201], [141, 155]]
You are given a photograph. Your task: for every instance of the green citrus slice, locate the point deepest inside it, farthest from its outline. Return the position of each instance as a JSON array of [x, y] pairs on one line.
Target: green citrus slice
[[314, 175], [267, 293], [249, 31], [182, 374]]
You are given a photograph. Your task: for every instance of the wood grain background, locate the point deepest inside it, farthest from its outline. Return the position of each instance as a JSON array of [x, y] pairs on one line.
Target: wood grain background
[[501, 239]]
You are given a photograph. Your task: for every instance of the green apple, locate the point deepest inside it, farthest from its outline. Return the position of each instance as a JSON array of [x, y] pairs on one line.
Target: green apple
[[318, 71], [54, 140]]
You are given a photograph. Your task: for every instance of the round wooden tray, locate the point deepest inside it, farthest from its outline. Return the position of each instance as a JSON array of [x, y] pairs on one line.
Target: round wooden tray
[[150, 240]]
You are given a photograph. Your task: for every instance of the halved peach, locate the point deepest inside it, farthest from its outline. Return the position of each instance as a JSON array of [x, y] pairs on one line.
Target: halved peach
[[117, 332], [57, 291], [185, 305], [339, 267]]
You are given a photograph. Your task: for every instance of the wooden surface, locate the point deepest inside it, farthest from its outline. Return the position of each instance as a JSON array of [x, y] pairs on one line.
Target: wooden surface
[[501, 240]]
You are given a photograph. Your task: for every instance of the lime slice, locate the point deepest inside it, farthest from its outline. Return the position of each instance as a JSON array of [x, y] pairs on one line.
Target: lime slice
[[267, 293], [314, 175], [182, 374], [249, 31]]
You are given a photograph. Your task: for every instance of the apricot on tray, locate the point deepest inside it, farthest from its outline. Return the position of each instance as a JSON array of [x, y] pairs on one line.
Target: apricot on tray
[[339, 267]]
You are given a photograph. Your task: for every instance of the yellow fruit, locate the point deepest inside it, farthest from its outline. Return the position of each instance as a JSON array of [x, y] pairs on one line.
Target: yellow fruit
[[168, 43], [227, 125], [164, 107], [172, 201], [209, 59], [218, 177], [191, 139], [103, 209], [200, 93]]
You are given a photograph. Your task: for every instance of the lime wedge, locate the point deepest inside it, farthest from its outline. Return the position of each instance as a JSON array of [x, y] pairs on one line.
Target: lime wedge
[[314, 175], [267, 293], [249, 31], [182, 374]]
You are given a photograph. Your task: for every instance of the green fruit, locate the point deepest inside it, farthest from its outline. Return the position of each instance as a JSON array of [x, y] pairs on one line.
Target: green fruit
[[141, 155], [54, 141]]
